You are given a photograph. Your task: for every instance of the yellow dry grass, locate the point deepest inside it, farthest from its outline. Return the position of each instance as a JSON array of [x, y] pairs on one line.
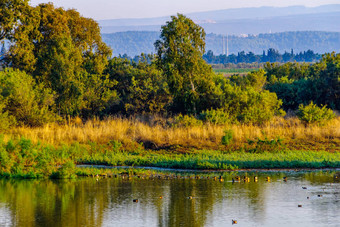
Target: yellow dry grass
[[294, 133]]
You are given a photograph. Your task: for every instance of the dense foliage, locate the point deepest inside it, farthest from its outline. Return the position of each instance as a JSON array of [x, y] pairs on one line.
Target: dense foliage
[[297, 84], [314, 114]]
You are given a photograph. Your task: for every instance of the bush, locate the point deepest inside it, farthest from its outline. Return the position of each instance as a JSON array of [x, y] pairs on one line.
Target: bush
[[250, 106], [313, 114], [6, 121], [217, 117], [186, 121], [24, 101], [228, 137]]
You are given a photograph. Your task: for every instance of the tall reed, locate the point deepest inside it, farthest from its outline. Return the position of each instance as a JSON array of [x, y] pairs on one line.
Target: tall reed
[[291, 130]]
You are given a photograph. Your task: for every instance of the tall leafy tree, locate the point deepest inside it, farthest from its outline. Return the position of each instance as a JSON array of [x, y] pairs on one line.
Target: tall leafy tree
[[180, 55], [11, 13], [63, 50]]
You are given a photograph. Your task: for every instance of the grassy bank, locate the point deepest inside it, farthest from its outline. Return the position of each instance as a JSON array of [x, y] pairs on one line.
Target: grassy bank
[[54, 150]]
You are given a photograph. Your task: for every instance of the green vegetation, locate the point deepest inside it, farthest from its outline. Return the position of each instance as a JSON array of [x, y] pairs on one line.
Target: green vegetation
[[297, 84], [21, 158], [314, 114], [228, 137]]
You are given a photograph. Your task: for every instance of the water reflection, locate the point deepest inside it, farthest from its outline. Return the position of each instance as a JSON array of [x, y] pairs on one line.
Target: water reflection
[[109, 202]]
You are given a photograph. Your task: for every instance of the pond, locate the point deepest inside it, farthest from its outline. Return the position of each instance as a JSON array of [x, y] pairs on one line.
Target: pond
[[309, 198]]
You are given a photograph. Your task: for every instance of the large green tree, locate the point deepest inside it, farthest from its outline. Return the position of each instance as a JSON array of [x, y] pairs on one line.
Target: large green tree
[[62, 50], [180, 52], [11, 13]]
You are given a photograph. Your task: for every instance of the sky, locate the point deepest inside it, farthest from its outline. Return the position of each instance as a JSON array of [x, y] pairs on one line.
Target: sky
[[115, 9]]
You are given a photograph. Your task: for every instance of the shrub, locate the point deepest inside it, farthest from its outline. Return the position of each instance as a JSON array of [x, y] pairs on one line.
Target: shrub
[[228, 137], [313, 114], [186, 121], [6, 121], [217, 117], [24, 101], [261, 145]]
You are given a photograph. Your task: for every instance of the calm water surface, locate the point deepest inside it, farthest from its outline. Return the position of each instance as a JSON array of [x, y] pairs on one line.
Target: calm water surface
[[109, 202]]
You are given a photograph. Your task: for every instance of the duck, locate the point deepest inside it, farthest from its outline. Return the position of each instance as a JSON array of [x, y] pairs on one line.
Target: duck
[[255, 179], [233, 221], [135, 200]]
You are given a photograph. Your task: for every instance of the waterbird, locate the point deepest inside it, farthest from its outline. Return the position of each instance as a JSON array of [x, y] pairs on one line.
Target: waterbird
[[190, 197], [285, 178], [304, 187], [267, 178], [307, 197], [319, 195], [255, 179], [135, 200], [299, 205], [161, 197], [233, 221]]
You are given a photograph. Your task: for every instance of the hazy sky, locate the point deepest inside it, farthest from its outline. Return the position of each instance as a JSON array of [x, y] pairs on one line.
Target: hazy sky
[[113, 9]]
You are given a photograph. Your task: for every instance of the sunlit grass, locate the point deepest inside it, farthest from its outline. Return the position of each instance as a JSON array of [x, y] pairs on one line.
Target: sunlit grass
[[295, 134]]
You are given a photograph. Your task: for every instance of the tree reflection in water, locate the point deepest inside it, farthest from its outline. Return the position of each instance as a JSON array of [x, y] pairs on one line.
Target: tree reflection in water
[[109, 202]]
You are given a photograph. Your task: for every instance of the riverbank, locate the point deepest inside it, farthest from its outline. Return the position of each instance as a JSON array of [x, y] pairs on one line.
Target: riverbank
[[54, 150], [24, 159]]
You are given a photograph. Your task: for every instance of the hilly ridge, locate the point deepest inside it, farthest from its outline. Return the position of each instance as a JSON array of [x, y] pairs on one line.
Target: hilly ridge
[[243, 20], [136, 42]]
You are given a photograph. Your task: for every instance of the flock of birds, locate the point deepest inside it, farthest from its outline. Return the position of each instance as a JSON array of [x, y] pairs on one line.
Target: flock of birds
[[220, 178]]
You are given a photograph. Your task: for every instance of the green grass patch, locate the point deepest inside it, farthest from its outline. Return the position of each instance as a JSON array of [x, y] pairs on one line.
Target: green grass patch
[[22, 159]]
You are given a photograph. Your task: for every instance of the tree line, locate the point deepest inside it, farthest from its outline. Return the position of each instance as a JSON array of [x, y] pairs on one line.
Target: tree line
[[272, 55], [134, 43], [57, 66]]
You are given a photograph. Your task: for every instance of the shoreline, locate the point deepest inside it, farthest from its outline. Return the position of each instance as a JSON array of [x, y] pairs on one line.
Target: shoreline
[[208, 170]]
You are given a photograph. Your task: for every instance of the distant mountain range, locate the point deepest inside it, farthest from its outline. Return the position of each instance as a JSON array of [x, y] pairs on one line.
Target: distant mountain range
[[134, 43], [244, 20]]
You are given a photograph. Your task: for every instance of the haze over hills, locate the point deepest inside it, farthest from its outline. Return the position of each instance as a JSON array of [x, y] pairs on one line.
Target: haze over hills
[[136, 42], [244, 20]]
